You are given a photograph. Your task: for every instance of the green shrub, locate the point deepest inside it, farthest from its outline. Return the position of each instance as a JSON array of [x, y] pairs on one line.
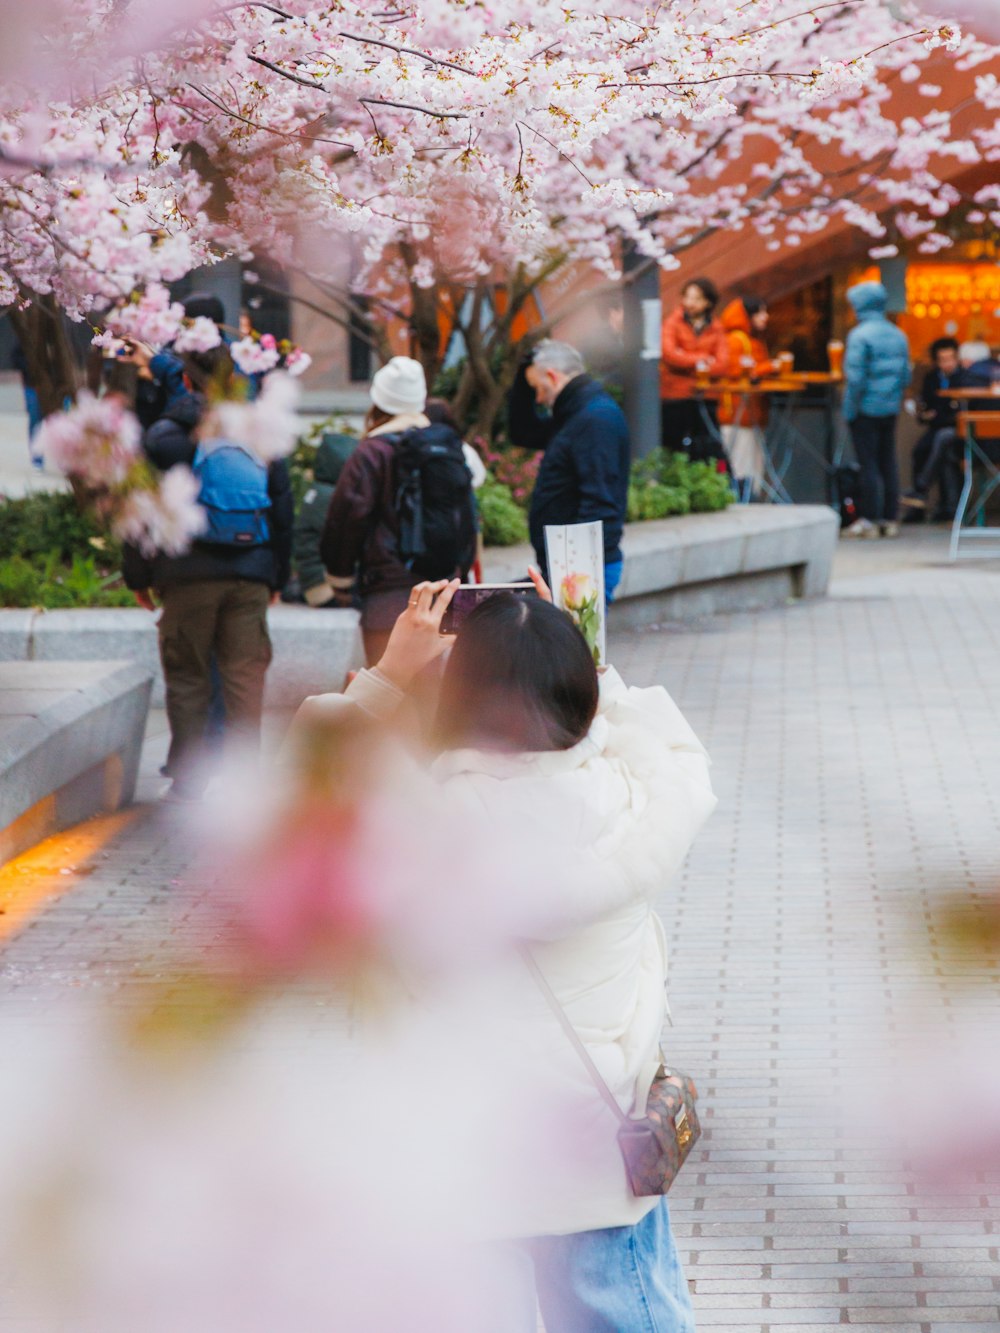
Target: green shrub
[[710, 490], [20, 583], [504, 522], [54, 556], [47, 523], [56, 586], [663, 485], [651, 499]]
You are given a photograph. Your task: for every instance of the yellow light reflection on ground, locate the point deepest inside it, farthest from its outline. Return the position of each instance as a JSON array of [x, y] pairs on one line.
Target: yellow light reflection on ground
[[33, 880]]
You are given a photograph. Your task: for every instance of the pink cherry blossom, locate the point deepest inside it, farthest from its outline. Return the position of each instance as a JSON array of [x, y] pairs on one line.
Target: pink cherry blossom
[[269, 426], [200, 335], [448, 143], [297, 362], [150, 317], [165, 519], [253, 357], [97, 441]]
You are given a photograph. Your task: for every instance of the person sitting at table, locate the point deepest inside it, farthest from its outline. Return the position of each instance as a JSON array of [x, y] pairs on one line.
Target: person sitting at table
[[742, 416], [937, 454], [973, 353], [984, 370], [693, 343]]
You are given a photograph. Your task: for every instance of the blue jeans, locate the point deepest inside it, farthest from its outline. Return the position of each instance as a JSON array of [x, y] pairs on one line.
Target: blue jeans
[[612, 578], [618, 1280], [34, 410]]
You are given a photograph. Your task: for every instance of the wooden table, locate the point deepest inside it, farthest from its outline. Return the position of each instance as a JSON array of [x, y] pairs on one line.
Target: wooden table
[[781, 438]]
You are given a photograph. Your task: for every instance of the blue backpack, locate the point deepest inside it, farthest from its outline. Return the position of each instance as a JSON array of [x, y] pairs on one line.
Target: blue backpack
[[233, 494]]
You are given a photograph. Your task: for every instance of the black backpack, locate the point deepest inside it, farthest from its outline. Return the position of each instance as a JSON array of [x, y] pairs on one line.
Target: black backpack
[[434, 503]]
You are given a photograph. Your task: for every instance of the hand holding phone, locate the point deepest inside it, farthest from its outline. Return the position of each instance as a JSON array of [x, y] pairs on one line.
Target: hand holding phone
[[416, 638]]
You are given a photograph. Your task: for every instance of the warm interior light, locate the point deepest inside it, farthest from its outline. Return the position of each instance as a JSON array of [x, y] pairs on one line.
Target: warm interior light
[[31, 881]]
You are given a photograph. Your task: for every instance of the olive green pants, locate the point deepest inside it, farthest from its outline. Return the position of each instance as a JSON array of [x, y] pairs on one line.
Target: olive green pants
[[221, 618]]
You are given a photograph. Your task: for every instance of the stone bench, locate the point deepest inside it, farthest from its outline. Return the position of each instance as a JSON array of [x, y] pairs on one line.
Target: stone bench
[[746, 557], [71, 736]]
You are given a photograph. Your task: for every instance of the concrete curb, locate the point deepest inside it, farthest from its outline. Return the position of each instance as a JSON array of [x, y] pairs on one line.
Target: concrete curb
[[745, 557], [313, 650], [71, 736]]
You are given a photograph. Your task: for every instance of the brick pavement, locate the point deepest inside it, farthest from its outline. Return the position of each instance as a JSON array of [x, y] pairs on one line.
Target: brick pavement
[[856, 758], [855, 754]]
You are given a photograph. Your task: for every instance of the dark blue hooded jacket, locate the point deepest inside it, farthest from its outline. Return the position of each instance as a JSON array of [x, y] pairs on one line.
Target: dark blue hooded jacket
[[584, 471]]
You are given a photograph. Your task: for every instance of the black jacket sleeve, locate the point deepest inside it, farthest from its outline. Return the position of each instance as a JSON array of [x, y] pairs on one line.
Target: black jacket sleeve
[[525, 427], [351, 516], [282, 516], [137, 571]]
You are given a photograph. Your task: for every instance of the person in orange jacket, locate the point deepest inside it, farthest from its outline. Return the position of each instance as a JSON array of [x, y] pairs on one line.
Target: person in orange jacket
[[743, 416], [693, 343]]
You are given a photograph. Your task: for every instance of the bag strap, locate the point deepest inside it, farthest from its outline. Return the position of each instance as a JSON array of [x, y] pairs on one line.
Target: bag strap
[[567, 1027]]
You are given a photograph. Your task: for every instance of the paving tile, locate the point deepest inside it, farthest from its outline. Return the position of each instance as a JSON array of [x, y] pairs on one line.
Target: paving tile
[[855, 756]]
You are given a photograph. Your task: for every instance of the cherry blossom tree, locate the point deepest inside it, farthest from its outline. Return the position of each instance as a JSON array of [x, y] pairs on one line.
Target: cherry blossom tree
[[445, 159]]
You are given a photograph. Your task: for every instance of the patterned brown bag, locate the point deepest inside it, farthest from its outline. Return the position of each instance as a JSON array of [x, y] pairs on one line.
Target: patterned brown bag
[[656, 1147]]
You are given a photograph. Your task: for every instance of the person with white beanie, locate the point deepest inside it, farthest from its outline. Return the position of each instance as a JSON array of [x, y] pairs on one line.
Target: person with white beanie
[[402, 511]]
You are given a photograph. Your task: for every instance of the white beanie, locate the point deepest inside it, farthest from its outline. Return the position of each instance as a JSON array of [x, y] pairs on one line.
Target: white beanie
[[400, 386]]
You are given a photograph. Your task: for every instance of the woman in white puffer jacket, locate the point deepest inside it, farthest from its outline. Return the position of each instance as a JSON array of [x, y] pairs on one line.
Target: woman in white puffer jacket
[[614, 785]]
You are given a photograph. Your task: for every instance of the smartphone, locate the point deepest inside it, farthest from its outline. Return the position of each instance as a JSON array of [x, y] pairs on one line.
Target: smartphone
[[470, 595]]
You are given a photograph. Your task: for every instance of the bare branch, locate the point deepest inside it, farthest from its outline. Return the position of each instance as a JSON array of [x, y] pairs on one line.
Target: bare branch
[[407, 106], [408, 51]]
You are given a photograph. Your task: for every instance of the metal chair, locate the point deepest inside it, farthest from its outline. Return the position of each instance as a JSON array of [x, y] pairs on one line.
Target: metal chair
[[979, 430]]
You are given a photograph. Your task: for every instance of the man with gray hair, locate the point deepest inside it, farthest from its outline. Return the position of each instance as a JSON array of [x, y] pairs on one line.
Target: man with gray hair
[[584, 472]]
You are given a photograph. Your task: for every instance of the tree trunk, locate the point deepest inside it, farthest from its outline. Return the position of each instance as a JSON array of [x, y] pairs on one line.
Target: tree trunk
[[41, 331], [425, 324], [426, 331]]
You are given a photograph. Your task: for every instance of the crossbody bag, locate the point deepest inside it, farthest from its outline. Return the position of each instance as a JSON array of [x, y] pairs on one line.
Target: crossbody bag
[[655, 1147]]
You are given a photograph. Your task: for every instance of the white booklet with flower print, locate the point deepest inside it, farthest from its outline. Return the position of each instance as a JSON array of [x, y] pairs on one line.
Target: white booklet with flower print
[[575, 554]]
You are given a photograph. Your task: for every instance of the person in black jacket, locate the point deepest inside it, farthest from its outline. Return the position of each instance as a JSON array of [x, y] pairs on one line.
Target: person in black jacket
[[584, 474], [331, 455], [214, 598], [364, 537]]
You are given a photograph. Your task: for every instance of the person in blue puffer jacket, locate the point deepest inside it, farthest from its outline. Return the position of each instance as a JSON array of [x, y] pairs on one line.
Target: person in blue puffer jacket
[[877, 371]]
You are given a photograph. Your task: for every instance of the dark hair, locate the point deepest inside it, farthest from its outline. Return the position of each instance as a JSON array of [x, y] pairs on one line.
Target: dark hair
[[707, 288], [753, 305], [520, 677], [943, 345], [438, 412], [213, 369], [374, 418], [206, 305]]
